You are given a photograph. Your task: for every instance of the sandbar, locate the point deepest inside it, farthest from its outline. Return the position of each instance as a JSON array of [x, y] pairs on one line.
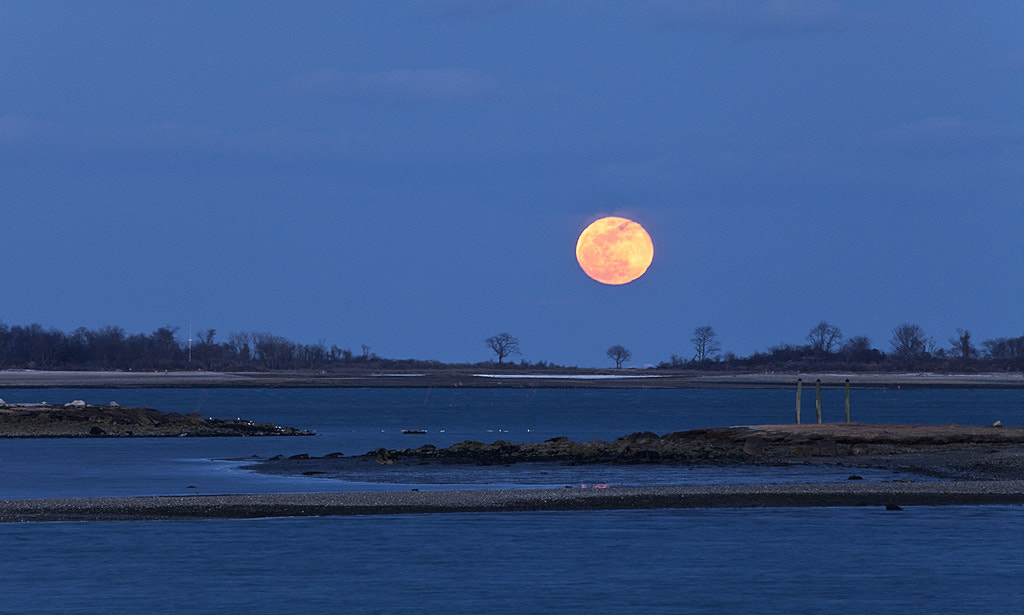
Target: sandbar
[[890, 495]]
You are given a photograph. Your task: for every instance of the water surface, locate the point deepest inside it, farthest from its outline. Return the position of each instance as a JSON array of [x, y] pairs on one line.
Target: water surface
[[922, 560], [354, 421]]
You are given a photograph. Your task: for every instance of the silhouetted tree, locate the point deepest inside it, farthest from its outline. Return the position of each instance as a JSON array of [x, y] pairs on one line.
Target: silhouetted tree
[[823, 337], [502, 345], [1004, 347], [166, 351], [705, 343], [273, 351], [239, 343], [962, 346], [619, 354], [909, 341], [858, 349]]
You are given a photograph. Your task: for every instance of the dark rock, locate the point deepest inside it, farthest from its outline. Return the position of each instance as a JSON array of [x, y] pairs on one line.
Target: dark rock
[[648, 455], [859, 449], [334, 455], [825, 448], [96, 431], [854, 477], [892, 507], [300, 456], [385, 457], [558, 439], [754, 446], [640, 436]]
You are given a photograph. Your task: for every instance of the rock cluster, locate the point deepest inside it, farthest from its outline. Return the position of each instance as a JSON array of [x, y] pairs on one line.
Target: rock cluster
[[724, 445], [78, 419]]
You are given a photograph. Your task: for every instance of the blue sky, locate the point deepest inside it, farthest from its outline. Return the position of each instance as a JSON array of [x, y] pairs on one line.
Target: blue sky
[[413, 175]]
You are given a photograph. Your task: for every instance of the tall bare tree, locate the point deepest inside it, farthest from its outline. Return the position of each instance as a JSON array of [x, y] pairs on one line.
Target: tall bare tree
[[619, 354], [824, 337], [962, 346], [502, 345], [705, 343], [908, 341]]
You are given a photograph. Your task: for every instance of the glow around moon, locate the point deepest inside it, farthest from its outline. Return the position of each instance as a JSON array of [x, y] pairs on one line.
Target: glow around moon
[[614, 250]]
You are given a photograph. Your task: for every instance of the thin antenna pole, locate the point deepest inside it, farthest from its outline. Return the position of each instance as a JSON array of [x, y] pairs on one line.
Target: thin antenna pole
[[189, 346]]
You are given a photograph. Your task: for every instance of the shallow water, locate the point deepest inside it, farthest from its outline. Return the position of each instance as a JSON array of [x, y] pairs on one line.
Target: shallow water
[[354, 421], [922, 560]]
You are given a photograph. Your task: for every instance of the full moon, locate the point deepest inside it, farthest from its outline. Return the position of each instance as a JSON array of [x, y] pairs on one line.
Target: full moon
[[614, 250]]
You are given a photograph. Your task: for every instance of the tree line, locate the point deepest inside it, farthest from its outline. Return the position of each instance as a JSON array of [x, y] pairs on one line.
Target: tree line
[[909, 348], [112, 348]]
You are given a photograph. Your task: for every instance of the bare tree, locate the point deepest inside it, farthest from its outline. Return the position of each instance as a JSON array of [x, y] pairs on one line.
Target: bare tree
[[823, 337], [1004, 347], [858, 349], [705, 343], [619, 354], [962, 346], [502, 345], [240, 346], [909, 341]]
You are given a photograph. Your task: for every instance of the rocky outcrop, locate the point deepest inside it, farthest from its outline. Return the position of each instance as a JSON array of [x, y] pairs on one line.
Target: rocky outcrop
[[80, 420], [725, 445]]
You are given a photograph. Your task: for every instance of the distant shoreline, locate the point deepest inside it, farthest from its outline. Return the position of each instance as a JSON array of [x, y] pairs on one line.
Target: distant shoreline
[[890, 495], [584, 379]]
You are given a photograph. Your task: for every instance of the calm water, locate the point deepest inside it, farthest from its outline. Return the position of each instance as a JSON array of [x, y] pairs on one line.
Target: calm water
[[354, 421], [917, 561]]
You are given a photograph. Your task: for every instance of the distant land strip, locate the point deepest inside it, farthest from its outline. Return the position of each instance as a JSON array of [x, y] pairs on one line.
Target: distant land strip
[[611, 379], [889, 495]]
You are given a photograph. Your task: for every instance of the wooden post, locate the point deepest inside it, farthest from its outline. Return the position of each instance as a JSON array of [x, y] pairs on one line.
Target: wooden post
[[817, 399], [847, 400], [799, 385]]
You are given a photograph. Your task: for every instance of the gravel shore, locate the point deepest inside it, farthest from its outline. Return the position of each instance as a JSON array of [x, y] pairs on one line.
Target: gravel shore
[[405, 502]]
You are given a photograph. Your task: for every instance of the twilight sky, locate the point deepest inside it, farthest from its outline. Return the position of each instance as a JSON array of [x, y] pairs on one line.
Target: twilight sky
[[414, 175]]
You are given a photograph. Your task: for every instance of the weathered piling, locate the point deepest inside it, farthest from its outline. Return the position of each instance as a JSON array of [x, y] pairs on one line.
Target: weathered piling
[[799, 386], [817, 399], [847, 400]]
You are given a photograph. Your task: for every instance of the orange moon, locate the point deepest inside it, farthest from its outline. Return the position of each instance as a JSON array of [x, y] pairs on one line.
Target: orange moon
[[614, 250]]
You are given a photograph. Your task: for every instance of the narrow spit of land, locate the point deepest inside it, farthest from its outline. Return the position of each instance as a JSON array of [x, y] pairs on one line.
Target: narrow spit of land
[[889, 495], [475, 378]]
